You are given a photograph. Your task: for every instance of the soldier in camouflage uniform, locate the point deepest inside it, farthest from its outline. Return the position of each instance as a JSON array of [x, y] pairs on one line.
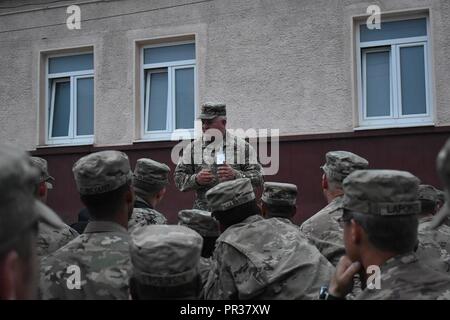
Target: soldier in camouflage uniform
[[322, 229], [279, 201], [208, 227], [50, 238], [257, 258], [434, 245], [150, 179], [20, 215], [380, 230], [100, 255], [165, 263], [208, 161]]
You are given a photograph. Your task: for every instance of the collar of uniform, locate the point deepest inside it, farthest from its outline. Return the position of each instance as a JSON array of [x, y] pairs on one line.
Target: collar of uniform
[[334, 205], [252, 218], [139, 199], [405, 258], [425, 219], [226, 137], [104, 226]]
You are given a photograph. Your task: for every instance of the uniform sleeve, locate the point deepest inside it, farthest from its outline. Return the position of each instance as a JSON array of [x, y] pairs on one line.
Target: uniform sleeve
[[251, 168], [184, 175], [220, 284]]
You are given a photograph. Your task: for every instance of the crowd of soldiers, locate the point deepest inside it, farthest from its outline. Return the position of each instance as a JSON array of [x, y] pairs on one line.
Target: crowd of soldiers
[[231, 245]]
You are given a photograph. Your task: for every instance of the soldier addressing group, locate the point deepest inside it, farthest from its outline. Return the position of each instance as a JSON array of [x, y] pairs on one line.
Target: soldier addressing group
[[50, 238], [322, 229], [380, 222], [215, 157], [257, 258], [96, 264], [150, 179]]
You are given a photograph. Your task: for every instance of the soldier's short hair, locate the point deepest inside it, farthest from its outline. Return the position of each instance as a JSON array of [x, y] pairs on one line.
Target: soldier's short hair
[[395, 233], [105, 204], [237, 214]]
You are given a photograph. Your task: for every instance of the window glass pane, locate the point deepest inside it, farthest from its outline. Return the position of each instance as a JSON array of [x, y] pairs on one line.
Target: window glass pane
[[169, 53], [61, 110], [71, 63], [157, 109], [85, 106], [394, 30], [184, 98], [377, 84], [412, 68]]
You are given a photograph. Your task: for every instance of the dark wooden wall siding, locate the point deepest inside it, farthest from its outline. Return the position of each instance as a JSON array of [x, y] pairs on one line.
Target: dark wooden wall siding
[[413, 150]]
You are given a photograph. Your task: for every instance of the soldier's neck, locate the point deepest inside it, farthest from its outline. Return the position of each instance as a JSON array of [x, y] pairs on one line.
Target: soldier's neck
[[331, 195], [374, 257]]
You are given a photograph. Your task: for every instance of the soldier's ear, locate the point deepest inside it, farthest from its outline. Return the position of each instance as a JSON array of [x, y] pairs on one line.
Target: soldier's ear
[[356, 232], [324, 182], [8, 275]]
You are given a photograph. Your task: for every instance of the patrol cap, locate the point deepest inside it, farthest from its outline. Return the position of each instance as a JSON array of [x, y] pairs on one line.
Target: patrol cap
[[339, 164], [282, 194], [150, 175], [42, 165], [212, 110], [230, 194], [382, 192], [165, 255], [102, 172], [428, 192], [200, 221], [19, 209]]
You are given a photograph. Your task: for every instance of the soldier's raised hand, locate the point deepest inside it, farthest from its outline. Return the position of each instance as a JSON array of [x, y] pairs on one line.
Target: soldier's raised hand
[[342, 281], [204, 177], [225, 173]]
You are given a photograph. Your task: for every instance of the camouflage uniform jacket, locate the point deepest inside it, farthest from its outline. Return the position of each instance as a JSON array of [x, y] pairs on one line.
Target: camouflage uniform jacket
[[245, 165], [51, 239], [102, 255], [434, 245], [144, 215], [404, 277], [323, 230], [266, 259], [204, 267]]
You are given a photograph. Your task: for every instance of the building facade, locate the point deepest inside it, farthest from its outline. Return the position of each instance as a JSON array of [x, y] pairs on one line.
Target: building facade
[[135, 73]]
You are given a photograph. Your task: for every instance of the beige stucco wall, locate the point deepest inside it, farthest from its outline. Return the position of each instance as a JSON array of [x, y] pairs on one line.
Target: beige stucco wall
[[284, 64]]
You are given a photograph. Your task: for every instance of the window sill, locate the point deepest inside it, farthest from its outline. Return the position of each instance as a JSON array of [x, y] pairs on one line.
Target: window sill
[[59, 145], [392, 126]]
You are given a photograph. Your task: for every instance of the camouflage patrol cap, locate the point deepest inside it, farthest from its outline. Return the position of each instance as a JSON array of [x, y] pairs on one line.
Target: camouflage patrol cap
[[165, 255], [339, 164], [230, 194], [212, 110], [428, 192], [41, 164], [19, 209], [200, 221], [102, 172], [150, 175], [381, 192], [276, 193]]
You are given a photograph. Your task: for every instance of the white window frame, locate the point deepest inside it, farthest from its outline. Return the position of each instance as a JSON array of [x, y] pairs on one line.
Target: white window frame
[[72, 77], [396, 119], [171, 67]]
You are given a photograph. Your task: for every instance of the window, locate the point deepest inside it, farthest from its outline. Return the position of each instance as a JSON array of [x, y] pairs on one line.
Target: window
[[70, 90], [168, 95], [394, 82]]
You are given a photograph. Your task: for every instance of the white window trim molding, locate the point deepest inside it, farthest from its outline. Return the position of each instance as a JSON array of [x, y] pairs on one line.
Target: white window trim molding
[[427, 119], [170, 134], [72, 77]]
